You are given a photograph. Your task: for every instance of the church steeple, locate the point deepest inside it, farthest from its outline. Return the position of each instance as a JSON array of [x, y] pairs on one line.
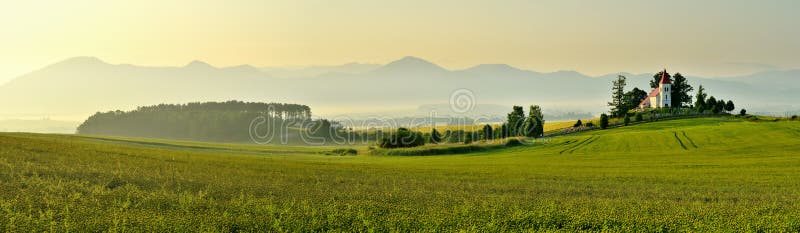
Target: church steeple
[[664, 78], [664, 85]]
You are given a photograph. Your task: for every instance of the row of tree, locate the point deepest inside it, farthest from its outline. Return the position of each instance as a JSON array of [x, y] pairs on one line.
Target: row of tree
[[711, 104], [517, 124]]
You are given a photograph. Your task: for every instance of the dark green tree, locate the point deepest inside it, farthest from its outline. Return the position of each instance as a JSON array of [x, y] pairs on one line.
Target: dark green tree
[[743, 112], [488, 133], [539, 129], [627, 120], [729, 107], [603, 121], [721, 105], [435, 136], [639, 117], [710, 104], [617, 103], [577, 124], [633, 98], [680, 91], [516, 121], [700, 99], [534, 123], [402, 138]]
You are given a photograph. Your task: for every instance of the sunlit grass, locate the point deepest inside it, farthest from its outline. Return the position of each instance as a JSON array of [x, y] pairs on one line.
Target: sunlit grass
[[708, 174]]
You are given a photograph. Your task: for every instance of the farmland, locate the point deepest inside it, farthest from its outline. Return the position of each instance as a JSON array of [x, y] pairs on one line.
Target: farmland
[[704, 174]]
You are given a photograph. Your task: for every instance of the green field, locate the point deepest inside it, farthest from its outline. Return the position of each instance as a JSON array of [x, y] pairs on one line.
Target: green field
[[707, 174]]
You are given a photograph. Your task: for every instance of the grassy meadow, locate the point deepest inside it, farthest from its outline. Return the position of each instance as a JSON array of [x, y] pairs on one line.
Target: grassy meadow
[[704, 174]]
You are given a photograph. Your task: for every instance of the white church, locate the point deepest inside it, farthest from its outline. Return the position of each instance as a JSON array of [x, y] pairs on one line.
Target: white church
[[659, 97]]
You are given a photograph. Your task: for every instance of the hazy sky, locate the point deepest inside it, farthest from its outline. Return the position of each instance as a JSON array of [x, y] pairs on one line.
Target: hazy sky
[[722, 37]]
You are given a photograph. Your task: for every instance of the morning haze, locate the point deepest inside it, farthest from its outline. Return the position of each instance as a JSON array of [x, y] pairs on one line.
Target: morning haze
[[399, 116], [707, 38]]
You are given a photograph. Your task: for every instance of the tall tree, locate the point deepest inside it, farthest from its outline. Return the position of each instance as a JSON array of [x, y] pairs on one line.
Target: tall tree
[[618, 96], [680, 91], [530, 126], [700, 99], [488, 134], [534, 123], [657, 79], [435, 136], [516, 119]]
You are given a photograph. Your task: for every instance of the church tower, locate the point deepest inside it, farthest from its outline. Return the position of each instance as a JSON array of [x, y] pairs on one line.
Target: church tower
[[664, 86]]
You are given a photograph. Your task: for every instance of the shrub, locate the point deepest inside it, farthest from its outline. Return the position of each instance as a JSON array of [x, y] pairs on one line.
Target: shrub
[[402, 138], [794, 117], [627, 120], [513, 142], [345, 151], [603, 121], [577, 124], [589, 124], [639, 117]]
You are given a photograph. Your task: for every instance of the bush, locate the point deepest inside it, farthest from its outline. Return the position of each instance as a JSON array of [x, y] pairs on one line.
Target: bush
[[639, 117], [627, 120], [345, 151], [513, 142], [589, 124], [794, 117], [402, 138], [603, 121], [577, 124]]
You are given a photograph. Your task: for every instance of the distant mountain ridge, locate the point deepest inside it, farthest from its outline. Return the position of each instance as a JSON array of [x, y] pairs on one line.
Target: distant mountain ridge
[[84, 85]]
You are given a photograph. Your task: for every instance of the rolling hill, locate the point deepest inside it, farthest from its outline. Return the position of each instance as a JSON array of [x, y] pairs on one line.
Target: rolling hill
[[706, 174]]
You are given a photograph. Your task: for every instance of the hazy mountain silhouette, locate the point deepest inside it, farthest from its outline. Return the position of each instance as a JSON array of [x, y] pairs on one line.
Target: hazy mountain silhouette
[[313, 71], [410, 66], [83, 85]]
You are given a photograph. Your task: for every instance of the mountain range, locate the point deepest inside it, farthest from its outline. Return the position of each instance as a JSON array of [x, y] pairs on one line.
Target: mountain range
[[80, 86]]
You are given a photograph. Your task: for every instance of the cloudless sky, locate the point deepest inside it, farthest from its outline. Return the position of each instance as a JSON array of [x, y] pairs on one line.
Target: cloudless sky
[[709, 37]]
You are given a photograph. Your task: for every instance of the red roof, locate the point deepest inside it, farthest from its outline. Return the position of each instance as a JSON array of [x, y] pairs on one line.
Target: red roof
[[653, 93], [664, 79]]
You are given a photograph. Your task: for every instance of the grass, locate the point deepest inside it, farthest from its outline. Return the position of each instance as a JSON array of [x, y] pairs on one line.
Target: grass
[[729, 175]]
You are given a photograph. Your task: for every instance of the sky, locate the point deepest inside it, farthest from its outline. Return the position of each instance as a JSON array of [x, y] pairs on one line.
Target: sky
[[707, 38]]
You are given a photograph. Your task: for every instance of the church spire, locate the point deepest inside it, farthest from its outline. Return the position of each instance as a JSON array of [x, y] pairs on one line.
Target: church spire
[[664, 78]]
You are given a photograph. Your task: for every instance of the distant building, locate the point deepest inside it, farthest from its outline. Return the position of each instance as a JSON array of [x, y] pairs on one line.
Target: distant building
[[659, 97]]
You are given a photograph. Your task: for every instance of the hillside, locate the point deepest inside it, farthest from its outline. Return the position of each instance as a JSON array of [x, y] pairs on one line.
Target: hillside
[[707, 174], [82, 86]]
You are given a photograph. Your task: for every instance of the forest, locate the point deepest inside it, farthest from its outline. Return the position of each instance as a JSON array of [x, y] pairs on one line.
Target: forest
[[208, 121]]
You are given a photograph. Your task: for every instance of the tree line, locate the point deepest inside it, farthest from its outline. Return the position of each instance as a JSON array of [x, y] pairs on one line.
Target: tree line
[[208, 121], [517, 125]]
